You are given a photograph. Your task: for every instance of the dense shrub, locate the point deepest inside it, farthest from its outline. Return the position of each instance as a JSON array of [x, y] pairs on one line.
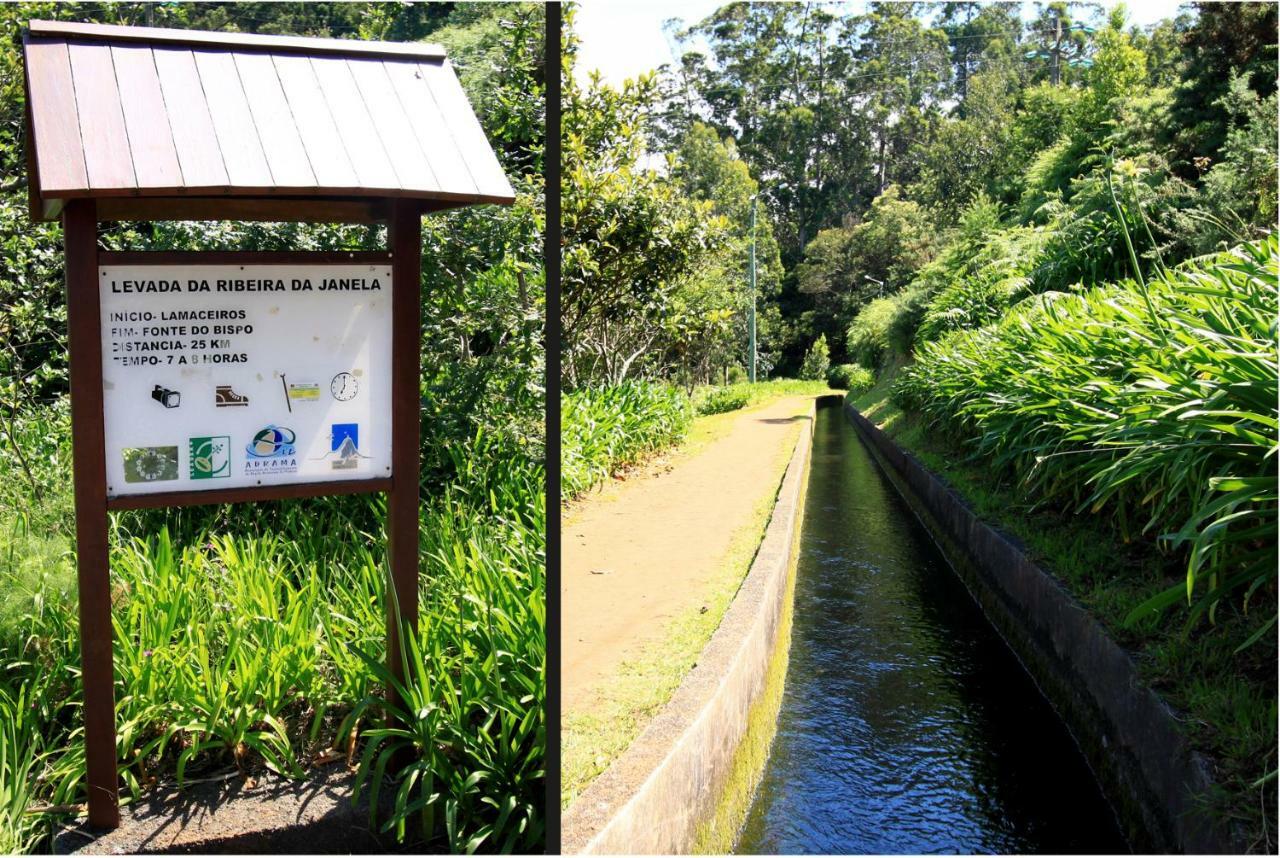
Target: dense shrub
[[724, 399], [885, 327], [244, 649], [980, 283], [1155, 405], [607, 428], [816, 360], [867, 339], [850, 377]]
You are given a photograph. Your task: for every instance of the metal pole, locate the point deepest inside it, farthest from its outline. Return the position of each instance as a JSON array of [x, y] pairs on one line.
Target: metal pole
[[751, 318], [89, 479], [1055, 74]]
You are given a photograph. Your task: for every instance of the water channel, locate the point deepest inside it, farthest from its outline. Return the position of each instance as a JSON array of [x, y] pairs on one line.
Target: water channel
[[907, 725]]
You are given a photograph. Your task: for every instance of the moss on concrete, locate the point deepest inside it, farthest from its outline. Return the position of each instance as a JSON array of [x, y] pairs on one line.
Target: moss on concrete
[[719, 834]]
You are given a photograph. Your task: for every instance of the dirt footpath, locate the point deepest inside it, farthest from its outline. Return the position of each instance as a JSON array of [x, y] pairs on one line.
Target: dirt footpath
[[644, 552]]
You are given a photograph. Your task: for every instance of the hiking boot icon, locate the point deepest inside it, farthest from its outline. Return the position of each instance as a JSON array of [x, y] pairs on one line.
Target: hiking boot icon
[[225, 396]]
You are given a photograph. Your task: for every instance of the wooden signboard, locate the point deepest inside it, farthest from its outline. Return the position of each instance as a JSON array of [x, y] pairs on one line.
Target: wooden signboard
[[223, 377], [164, 414], [228, 376]]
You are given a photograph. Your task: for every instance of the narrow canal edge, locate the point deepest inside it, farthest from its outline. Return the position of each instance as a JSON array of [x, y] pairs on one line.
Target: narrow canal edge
[[1128, 734], [686, 782]]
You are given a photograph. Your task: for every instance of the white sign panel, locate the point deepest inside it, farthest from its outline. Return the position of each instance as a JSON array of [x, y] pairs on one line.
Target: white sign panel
[[225, 376]]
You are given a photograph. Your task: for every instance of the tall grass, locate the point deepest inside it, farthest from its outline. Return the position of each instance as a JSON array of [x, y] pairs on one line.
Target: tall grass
[[475, 691], [19, 758], [1152, 405], [605, 429], [243, 636]]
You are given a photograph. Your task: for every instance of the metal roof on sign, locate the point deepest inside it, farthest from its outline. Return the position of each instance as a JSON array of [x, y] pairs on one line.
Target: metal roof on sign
[[161, 124]]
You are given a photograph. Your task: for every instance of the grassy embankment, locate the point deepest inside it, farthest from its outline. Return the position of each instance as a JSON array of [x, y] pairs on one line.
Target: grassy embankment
[[591, 740], [1092, 428]]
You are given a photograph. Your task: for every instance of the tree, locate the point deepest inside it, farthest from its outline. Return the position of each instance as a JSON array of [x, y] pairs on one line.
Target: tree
[[846, 267], [710, 169], [816, 361], [774, 79], [1061, 41], [1119, 70], [902, 73], [1225, 37], [974, 153], [630, 234]]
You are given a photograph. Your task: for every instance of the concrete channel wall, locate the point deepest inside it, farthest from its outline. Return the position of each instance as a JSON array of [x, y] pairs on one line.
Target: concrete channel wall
[[664, 792], [1129, 735]]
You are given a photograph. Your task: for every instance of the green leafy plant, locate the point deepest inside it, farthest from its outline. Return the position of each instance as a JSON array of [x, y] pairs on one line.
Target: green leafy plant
[[722, 399], [19, 761], [816, 360], [850, 377], [1155, 404], [605, 429], [460, 748]]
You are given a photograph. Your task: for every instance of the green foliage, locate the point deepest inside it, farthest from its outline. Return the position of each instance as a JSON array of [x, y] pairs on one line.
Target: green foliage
[[844, 268], [19, 759], [238, 637], [850, 377], [1085, 238], [723, 399], [817, 360], [1049, 174], [867, 339], [1227, 40], [1045, 116], [240, 650], [630, 235], [1239, 199], [603, 430], [780, 77], [982, 273], [471, 718], [1155, 405], [870, 132], [884, 328], [1118, 71], [707, 328]]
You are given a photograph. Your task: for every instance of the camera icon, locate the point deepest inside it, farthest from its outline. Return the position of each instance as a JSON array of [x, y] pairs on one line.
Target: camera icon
[[166, 397]]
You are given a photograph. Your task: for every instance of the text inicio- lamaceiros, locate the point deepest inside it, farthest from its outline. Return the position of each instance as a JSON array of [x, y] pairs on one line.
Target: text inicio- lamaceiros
[[177, 316]]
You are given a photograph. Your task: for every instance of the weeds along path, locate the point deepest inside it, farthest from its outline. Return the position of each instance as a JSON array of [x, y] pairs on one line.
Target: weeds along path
[[649, 567]]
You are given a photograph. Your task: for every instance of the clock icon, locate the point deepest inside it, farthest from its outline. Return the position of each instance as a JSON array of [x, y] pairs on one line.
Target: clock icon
[[344, 387]]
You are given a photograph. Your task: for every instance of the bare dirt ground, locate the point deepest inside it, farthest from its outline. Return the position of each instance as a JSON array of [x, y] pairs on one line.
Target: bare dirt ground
[[644, 552], [264, 816]]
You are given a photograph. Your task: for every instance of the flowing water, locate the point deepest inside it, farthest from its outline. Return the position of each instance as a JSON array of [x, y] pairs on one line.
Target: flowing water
[[907, 725]]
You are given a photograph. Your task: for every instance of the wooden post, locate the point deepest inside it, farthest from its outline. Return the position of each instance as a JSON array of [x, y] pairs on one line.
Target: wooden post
[[88, 445], [405, 240]]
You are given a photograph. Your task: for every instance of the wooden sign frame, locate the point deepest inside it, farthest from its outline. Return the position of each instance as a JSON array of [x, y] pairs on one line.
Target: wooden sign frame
[[93, 566]]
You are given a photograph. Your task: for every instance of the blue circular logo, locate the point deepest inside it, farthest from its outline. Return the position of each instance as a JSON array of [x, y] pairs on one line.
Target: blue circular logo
[[271, 441]]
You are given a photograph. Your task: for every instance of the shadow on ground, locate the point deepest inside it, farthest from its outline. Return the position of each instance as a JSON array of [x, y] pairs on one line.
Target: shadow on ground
[[235, 816], [781, 421]]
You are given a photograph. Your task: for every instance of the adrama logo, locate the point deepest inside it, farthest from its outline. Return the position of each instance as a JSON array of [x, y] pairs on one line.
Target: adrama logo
[[270, 442], [271, 451]]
